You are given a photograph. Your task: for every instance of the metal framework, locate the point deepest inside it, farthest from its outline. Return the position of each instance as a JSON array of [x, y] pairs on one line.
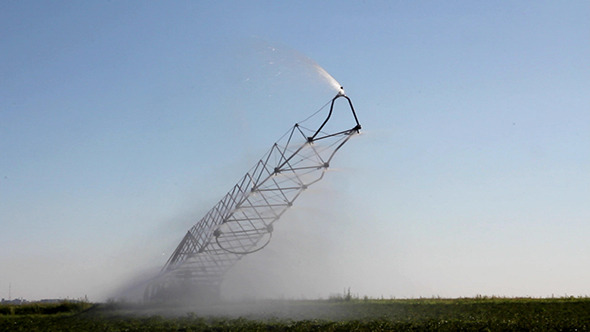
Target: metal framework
[[242, 221]]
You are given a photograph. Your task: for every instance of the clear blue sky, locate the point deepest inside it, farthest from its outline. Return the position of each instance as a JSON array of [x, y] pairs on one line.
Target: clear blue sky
[[122, 123]]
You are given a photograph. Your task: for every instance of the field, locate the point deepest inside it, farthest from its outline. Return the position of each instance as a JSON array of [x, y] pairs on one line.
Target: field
[[470, 314]]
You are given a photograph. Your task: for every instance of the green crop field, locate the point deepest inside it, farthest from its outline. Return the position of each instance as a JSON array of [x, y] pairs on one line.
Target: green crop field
[[470, 314]]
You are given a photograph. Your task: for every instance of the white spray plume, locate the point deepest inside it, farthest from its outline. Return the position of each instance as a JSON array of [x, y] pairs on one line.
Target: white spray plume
[[281, 55], [323, 73]]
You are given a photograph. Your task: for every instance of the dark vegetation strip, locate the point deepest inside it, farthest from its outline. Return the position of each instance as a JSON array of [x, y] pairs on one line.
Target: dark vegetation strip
[[566, 314]]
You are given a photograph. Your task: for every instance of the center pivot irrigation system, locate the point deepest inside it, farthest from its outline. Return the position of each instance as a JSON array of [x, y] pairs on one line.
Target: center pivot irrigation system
[[242, 222]]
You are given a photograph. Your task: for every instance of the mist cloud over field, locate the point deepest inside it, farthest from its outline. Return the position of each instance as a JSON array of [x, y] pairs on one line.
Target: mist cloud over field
[[122, 124]]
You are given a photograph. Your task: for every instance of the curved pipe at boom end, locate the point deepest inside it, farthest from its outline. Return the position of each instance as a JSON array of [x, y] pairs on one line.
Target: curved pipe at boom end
[[355, 128]]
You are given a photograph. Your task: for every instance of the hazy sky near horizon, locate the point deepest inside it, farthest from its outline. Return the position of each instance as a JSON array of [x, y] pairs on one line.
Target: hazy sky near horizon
[[122, 123]]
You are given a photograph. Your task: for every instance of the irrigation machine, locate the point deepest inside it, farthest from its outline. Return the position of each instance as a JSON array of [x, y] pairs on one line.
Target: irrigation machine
[[241, 223]]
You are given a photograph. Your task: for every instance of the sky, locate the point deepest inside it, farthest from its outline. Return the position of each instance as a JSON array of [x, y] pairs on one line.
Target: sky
[[123, 123]]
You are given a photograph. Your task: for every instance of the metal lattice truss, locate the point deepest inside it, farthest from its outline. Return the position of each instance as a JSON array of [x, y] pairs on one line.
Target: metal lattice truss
[[242, 222]]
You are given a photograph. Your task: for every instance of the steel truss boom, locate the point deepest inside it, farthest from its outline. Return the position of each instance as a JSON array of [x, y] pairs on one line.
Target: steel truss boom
[[242, 221]]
